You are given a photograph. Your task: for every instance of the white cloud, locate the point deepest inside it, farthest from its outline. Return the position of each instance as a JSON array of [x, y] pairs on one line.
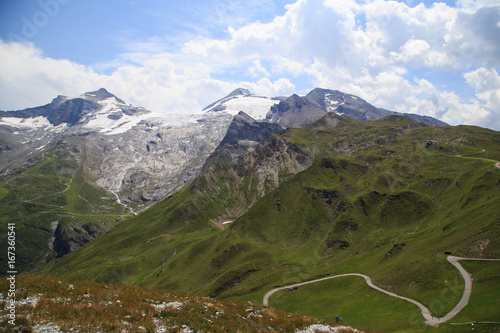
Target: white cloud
[[29, 79], [485, 81], [265, 87], [286, 65], [459, 112], [368, 48], [487, 85], [257, 70], [418, 53], [474, 5], [474, 37]]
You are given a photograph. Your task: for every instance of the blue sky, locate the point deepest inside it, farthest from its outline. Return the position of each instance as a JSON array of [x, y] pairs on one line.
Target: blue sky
[[438, 59], [96, 32]]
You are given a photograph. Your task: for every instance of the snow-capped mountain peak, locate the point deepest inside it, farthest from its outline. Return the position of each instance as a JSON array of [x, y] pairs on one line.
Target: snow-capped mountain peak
[[97, 110], [240, 91], [242, 99], [113, 116], [99, 96]]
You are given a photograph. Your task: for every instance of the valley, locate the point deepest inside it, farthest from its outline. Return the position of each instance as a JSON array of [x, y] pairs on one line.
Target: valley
[[311, 195], [363, 201]]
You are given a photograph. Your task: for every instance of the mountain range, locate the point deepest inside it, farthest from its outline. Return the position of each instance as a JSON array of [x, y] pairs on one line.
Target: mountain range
[[132, 156], [249, 194]]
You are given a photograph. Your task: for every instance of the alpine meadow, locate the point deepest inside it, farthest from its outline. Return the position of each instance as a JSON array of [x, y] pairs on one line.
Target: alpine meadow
[[389, 198], [296, 166]]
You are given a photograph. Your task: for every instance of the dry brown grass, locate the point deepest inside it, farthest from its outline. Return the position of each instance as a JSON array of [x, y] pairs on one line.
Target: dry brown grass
[[94, 307]]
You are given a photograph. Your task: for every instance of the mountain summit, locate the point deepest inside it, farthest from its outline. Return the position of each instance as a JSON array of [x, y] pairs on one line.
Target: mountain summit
[[297, 111], [242, 99], [99, 96], [80, 110], [240, 91]]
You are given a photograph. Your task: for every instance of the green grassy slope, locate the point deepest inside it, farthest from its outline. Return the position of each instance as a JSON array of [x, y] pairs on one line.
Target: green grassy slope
[[376, 201], [356, 303], [56, 190]]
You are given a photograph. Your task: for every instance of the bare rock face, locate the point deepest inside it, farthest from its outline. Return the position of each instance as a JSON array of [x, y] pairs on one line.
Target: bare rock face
[[243, 135], [152, 160], [295, 111], [253, 174], [69, 237]]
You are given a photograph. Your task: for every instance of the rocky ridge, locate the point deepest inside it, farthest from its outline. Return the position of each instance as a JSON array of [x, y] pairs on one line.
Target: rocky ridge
[[297, 111], [238, 181]]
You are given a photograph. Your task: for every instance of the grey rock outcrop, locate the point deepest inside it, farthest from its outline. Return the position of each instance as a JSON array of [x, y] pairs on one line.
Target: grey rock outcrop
[[243, 135]]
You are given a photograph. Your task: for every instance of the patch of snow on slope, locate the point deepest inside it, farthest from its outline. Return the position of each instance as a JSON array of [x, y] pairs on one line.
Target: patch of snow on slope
[[100, 120], [46, 328], [38, 122], [332, 105], [255, 106]]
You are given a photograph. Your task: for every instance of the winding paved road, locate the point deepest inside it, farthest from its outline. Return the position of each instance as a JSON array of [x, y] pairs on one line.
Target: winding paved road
[[429, 319]]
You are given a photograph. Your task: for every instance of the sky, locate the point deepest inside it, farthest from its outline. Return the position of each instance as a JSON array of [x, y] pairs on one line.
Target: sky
[[440, 59]]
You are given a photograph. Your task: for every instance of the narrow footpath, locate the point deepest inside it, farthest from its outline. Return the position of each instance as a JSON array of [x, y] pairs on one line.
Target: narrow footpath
[[429, 319]]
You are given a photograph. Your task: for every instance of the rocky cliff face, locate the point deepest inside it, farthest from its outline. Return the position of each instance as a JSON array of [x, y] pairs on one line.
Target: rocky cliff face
[[243, 136], [69, 237], [295, 111], [240, 183], [154, 160], [251, 160]]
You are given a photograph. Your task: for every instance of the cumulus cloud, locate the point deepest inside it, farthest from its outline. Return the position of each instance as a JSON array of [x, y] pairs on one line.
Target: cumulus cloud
[[265, 87], [474, 37], [486, 82], [418, 53], [386, 52], [257, 70], [29, 79]]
